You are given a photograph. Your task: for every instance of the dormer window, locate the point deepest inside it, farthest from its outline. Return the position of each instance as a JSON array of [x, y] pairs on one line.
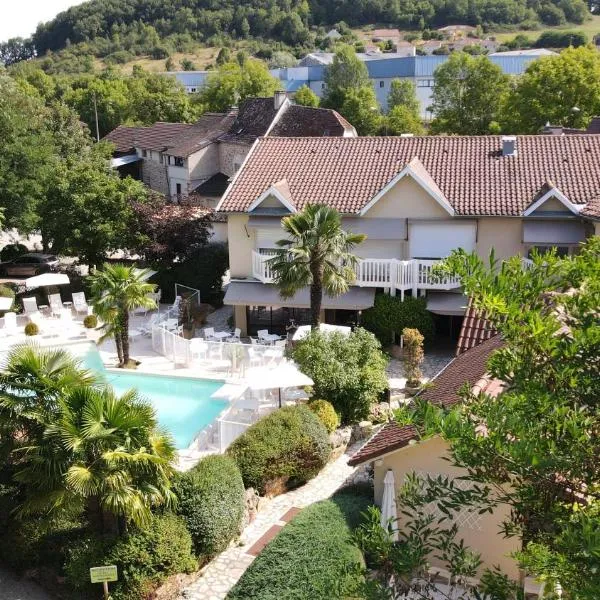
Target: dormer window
[[178, 161]]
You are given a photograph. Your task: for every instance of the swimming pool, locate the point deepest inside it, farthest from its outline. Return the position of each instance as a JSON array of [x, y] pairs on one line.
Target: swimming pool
[[183, 405]]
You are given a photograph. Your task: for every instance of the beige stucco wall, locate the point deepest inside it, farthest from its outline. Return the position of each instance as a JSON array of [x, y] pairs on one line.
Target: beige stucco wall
[[407, 199], [230, 155], [503, 234], [240, 319], [486, 538], [205, 163], [553, 205], [241, 243], [597, 227]]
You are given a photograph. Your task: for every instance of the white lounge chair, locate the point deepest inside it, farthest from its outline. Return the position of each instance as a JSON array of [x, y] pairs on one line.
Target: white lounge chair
[[235, 338], [56, 305], [30, 306], [79, 303], [10, 324]]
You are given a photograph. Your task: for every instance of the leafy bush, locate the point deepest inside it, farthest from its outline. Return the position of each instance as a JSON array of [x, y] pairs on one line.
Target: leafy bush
[[143, 558], [90, 322], [11, 251], [326, 413], [286, 448], [211, 501], [347, 370], [390, 315], [6, 292], [561, 39], [315, 555], [31, 329]]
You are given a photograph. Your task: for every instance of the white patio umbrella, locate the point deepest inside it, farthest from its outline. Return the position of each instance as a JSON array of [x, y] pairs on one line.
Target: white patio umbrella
[[46, 280], [304, 330], [388, 504], [283, 376]]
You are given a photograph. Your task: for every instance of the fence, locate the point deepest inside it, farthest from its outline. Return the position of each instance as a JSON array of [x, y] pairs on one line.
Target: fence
[[221, 359]]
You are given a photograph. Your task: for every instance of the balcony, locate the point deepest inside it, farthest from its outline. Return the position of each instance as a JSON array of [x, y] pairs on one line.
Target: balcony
[[397, 275]]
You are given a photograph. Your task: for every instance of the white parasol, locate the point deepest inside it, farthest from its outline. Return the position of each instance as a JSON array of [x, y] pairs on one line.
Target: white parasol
[[46, 280], [304, 330], [389, 512]]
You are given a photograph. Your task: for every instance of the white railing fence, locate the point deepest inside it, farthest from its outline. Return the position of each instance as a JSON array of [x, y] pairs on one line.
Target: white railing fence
[[217, 358]]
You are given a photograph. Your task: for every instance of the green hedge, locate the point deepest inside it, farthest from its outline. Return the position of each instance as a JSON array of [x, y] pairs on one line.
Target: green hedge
[[284, 449], [314, 557], [390, 315], [144, 558], [326, 413], [211, 501]]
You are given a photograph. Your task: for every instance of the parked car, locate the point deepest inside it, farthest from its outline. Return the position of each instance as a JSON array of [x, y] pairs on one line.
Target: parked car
[[28, 265]]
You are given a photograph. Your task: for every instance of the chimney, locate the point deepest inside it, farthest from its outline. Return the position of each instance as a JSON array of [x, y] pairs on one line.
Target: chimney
[[509, 145], [279, 99]]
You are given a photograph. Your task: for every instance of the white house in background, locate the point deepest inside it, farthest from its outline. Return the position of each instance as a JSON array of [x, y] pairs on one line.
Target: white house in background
[[417, 199]]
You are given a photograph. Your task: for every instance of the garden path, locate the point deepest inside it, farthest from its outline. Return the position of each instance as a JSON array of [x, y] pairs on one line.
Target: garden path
[[14, 588], [221, 574]]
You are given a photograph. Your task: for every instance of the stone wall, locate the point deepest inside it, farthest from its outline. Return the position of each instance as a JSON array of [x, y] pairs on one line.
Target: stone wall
[[154, 175], [230, 156]]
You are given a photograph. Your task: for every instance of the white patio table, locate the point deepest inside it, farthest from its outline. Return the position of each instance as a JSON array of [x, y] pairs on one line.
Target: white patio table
[[221, 335]]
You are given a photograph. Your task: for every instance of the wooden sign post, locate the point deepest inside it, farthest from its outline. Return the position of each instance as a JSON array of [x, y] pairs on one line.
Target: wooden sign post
[[103, 575]]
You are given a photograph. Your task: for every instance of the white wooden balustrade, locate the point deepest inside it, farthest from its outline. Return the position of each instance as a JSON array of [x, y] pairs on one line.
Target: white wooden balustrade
[[414, 274]]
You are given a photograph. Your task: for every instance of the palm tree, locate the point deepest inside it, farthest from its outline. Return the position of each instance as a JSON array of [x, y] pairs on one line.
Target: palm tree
[[104, 454], [317, 253], [31, 383], [118, 289]]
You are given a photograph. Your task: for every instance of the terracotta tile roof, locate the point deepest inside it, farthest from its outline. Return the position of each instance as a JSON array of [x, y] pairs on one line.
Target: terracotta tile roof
[[306, 121], [470, 367], [160, 135], [205, 131], [474, 330], [122, 137], [470, 171], [592, 210], [254, 118], [390, 437]]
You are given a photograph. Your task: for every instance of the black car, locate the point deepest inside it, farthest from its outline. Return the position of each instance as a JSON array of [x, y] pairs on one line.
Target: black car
[[28, 265]]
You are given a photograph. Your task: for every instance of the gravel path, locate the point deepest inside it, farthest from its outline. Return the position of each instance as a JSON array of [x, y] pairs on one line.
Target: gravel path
[[14, 588]]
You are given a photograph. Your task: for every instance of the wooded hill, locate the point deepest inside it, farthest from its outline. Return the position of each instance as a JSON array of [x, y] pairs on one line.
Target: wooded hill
[[116, 24]]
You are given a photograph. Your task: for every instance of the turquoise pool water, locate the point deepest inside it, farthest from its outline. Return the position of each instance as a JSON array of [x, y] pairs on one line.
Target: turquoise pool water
[[183, 406]]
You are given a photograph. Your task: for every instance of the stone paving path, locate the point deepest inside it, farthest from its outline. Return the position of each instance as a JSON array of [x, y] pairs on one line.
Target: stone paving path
[[435, 361], [221, 574]]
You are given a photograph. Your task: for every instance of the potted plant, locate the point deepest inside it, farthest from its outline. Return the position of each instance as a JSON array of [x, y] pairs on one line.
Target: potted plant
[[31, 329], [413, 358]]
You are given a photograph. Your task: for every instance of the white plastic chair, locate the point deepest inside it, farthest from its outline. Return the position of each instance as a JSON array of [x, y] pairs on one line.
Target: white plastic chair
[[262, 333], [79, 302], [235, 337], [209, 333], [56, 305], [10, 324], [146, 328]]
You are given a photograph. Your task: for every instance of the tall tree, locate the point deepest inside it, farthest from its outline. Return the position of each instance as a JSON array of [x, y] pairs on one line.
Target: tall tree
[[401, 119], [561, 90], [306, 97], [318, 254], [235, 81], [347, 73], [117, 290], [468, 95], [361, 109], [403, 92]]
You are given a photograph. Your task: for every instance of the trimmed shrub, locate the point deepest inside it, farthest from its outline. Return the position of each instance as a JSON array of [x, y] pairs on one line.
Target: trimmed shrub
[[285, 449], [11, 251], [144, 558], [314, 556], [211, 501], [31, 329], [347, 370], [413, 356], [90, 322], [326, 413], [390, 315], [6, 292]]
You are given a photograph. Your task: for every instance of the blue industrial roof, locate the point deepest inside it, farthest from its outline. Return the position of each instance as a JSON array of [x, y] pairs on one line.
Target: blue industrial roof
[[190, 78]]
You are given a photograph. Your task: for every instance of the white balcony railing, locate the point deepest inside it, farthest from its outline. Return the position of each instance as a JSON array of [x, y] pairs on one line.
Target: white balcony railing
[[414, 274]]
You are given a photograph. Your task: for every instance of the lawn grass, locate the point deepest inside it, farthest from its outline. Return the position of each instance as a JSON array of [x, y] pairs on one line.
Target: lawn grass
[[313, 557]]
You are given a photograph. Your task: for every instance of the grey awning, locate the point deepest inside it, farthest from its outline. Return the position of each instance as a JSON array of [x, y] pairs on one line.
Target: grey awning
[[553, 232], [124, 160], [250, 293], [447, 303], [377, 229]]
